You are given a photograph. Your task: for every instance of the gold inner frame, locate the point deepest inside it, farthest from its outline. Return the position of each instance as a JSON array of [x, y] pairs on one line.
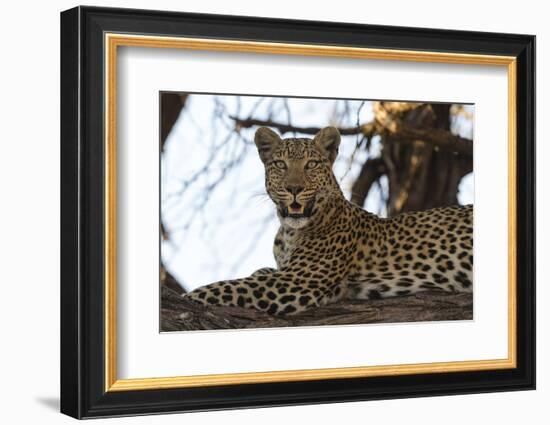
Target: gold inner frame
[[113, 41]]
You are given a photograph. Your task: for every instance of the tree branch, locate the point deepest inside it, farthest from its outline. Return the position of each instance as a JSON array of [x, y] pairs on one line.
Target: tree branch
[[179, 314], [366, 129], [400, 132], [441, 139], [371, 171]]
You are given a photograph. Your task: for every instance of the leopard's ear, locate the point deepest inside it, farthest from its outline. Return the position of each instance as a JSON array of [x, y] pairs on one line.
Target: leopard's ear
[[328, 140], [266, 140]]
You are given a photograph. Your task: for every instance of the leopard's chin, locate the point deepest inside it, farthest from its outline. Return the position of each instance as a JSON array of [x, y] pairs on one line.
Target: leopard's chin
[[295, 222]]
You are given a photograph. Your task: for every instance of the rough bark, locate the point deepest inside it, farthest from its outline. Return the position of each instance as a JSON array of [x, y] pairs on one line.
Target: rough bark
[[178, 314]]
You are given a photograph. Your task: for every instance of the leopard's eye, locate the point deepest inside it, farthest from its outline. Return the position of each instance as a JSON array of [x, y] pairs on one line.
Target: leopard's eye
[[310, 165], [281, 165]]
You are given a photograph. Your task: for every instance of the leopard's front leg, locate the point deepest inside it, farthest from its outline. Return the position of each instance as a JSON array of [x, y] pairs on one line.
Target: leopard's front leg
[[272, 291]]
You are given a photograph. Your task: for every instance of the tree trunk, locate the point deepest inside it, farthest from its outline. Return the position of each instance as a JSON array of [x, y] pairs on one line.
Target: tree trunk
[[420, 175], [171, 106]]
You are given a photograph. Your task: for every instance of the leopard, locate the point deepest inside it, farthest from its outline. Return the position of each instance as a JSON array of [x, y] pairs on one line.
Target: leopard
[[329, 249]]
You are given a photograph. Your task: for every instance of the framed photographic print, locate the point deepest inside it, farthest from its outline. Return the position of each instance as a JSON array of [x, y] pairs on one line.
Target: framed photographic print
[[261, 212]]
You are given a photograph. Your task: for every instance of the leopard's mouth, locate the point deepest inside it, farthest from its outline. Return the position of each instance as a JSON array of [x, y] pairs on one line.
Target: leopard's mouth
[[297, 210]]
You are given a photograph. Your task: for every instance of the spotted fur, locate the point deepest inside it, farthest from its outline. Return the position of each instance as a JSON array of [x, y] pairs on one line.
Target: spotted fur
[[328, 248]]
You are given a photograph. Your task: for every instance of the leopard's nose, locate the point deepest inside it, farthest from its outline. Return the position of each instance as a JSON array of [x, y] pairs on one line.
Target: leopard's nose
[[295, 190]]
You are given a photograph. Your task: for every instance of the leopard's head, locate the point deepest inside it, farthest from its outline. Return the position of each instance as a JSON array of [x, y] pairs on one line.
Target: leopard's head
[[298, 173]]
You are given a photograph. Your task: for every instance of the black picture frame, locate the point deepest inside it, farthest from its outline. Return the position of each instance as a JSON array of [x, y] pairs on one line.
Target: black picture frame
[[83, 392]]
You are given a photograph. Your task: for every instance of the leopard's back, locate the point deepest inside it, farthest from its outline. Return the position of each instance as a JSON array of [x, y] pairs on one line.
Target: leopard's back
[[425, 250]]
